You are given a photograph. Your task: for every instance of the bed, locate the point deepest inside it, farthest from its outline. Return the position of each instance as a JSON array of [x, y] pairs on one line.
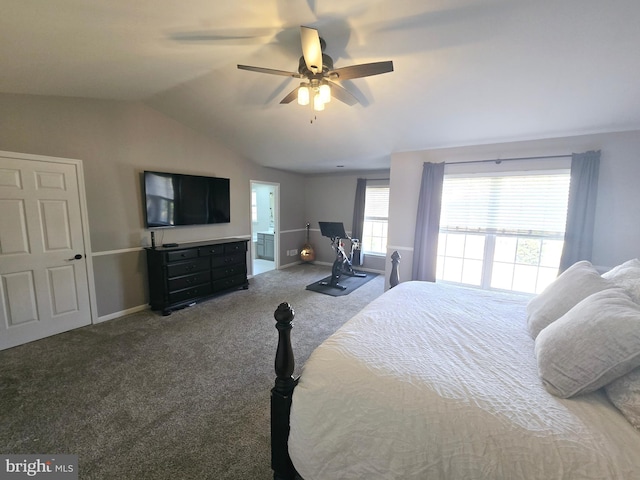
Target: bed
[[434, 381]]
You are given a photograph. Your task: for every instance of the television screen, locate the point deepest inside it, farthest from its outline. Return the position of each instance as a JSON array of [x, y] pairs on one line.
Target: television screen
[[173, 199]]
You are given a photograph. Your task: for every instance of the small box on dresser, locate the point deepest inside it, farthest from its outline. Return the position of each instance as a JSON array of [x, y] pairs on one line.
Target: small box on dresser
[[191, 272]]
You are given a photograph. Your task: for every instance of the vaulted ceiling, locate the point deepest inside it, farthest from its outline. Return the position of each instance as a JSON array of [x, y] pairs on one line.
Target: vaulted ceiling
[[465, 71]]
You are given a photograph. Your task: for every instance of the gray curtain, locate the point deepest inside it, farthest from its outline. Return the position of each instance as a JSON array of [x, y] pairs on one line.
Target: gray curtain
[[583, 190], [358, 209], [425, 245], [358, 217]]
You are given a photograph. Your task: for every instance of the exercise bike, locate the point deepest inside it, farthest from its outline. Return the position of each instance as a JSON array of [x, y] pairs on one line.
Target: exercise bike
[[343, 263]]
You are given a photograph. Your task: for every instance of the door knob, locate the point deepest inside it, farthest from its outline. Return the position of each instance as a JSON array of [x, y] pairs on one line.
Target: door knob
[[76, 257]]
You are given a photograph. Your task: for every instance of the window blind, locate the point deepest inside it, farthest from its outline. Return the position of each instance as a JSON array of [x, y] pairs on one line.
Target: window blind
[[534, 204], [376, 203]]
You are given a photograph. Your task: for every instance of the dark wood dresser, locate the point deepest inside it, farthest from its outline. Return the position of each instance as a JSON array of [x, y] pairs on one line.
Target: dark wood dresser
[[191, 272]]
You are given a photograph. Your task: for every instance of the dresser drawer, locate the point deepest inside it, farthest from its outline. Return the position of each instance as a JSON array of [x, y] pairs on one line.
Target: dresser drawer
[[187, 281], [229, 282], [235, 247], [190, 293], [181, 255], [211, 250], [228, 271], [232, 259], [184, 268]]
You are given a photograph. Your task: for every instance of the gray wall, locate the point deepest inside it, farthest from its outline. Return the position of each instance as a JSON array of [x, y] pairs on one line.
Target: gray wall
[[617, 229], [330, 198], [117, 141]]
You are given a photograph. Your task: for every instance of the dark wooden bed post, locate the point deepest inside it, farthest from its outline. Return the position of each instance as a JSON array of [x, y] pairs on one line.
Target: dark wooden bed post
[[281, 396], [394, 278]]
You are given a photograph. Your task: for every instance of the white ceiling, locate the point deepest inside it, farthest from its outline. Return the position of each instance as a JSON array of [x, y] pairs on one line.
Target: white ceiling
[[466, 72]]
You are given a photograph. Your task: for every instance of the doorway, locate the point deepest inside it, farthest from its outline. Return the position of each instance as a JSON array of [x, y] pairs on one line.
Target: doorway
[[265, 207], [45, 279]]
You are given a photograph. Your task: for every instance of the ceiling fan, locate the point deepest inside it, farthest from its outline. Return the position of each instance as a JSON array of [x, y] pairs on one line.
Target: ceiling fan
[[319, 76]]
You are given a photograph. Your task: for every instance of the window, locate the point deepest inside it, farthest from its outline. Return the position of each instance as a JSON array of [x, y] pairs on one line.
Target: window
[[503, 231], [254, 206], [376, 220]]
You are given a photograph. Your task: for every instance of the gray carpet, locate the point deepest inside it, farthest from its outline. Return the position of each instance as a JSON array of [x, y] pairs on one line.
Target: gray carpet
[[178, 397]]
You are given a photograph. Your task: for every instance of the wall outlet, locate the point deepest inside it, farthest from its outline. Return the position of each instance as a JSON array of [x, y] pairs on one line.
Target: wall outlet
[[294, 252]]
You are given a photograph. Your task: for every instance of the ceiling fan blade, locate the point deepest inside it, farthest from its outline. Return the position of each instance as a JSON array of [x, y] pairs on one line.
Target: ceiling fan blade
[[270, 71], [363, 70], [311, 49], [291, 96], [245, 36], [340, 93]]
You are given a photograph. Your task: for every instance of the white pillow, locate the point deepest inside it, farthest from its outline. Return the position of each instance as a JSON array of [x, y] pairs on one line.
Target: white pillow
[[574, 284], [594, 343], [626, 276], [624, 393]]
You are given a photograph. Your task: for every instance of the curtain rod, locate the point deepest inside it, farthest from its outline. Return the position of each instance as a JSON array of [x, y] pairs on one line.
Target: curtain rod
[[500, 160]]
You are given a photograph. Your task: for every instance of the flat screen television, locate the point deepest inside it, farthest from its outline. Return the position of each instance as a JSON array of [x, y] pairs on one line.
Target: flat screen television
[[173, 199]]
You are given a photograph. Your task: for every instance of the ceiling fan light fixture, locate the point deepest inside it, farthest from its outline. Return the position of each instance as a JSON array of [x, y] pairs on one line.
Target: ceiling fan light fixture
[[303, 94], [325, 93], [318, 104]]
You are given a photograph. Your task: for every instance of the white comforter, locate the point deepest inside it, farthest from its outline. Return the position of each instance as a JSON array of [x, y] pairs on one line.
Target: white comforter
[[432, 381]]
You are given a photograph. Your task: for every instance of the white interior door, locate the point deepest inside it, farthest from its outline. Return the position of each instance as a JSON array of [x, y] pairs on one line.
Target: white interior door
[[43, 269]]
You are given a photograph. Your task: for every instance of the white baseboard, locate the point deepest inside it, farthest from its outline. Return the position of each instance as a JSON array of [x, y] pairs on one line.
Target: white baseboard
[[122, 313], [292, 264], [140, 308], [356, 268]]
